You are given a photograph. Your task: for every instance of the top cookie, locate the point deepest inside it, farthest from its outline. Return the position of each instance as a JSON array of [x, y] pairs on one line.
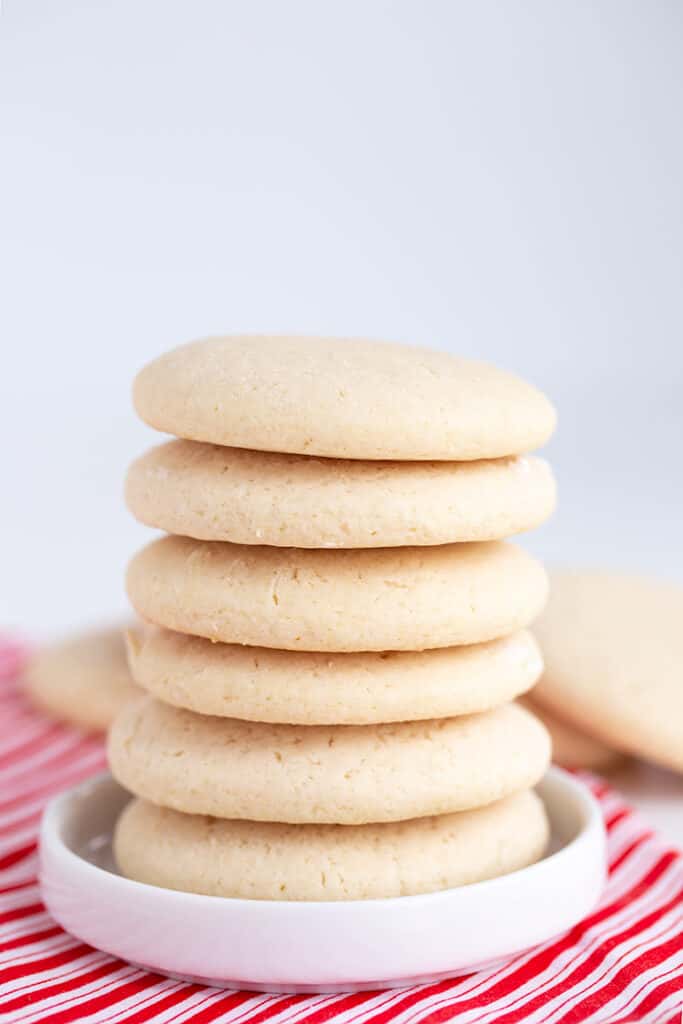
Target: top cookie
[[343, 398], [613, 649]]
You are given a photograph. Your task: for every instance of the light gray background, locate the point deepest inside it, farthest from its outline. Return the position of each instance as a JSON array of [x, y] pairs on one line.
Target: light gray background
[[500, 179]]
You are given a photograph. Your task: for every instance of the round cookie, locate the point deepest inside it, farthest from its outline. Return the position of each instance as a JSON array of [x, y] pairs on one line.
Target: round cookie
[[83, 680], [572, 748], [270, 861], [613, 647], [249, 497], [375, 600], [343, 398], [343, 774], [302, 688]]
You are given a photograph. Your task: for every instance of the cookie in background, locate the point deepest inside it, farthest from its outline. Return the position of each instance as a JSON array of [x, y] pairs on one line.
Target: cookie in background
[[571, 747], [83, 680], [613, 651]]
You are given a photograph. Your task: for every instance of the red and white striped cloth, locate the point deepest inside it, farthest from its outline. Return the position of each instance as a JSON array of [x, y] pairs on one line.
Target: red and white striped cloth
[[624, 963]]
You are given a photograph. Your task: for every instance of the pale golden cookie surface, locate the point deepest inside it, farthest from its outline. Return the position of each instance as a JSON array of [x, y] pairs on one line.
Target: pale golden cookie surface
[[341, 774], [264, 685], [247, 497], [613, 647], [375, 600], [344, 398], [571, 747], [267, 861], [84, 679]]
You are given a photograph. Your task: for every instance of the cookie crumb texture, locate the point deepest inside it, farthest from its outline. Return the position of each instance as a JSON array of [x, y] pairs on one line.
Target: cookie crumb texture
[[267, 861], [379, 600], [347, 775]]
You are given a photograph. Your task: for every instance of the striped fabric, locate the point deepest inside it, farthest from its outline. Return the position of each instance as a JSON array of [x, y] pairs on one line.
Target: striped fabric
[[622, 964]]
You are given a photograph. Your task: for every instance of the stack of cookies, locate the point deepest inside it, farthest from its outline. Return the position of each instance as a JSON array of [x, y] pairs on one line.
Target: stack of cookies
[[336, 631]]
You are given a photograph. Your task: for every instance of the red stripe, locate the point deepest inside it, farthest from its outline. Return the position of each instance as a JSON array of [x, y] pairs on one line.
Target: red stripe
[[229, 1001], [13, 858], [101, 1002], [585, 950], [18, 912], [588, 965], [26, 940], [672, 987], [88, 765], [538, 963], [614, 819], [61, 758], [21, 824], [417, 995], [287, 1001], [661, 980], [105, 986], [631, 948], [590, 979], [27, 747], [45, 963], [49, 991], [628, 850], [17, 885], [597, 1000], [328, 1011], [166, 1002]]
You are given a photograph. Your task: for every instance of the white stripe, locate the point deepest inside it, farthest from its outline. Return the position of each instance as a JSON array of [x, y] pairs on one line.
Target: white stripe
[[479, 983], [64, 1000], [615, 961], [663, 1011], [119, 1011], [34, 803], [619, 1001], [60, 775], [495, 1010], [37, 979], [650, 986], [16, 740], [18, 898], [57, 748], [37, 950], [22, 871], [136, 1002], [558, 1005], [570, 960], [535, 985], [562, 965]]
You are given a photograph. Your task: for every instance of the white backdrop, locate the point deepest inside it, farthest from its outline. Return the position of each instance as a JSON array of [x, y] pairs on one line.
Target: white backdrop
[[500, 179]]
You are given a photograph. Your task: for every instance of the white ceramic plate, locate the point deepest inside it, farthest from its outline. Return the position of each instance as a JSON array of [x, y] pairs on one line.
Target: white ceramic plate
[[306, 946]]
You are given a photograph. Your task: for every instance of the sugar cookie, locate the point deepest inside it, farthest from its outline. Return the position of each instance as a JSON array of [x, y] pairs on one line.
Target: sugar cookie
[[345, 398], [84, 680], [215, 493], [613, 646], [270, 861], [344, 774], [374, 600], [302, 688]]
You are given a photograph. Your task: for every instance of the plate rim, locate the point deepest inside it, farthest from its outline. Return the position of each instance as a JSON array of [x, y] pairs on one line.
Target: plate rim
[[592, 825]]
